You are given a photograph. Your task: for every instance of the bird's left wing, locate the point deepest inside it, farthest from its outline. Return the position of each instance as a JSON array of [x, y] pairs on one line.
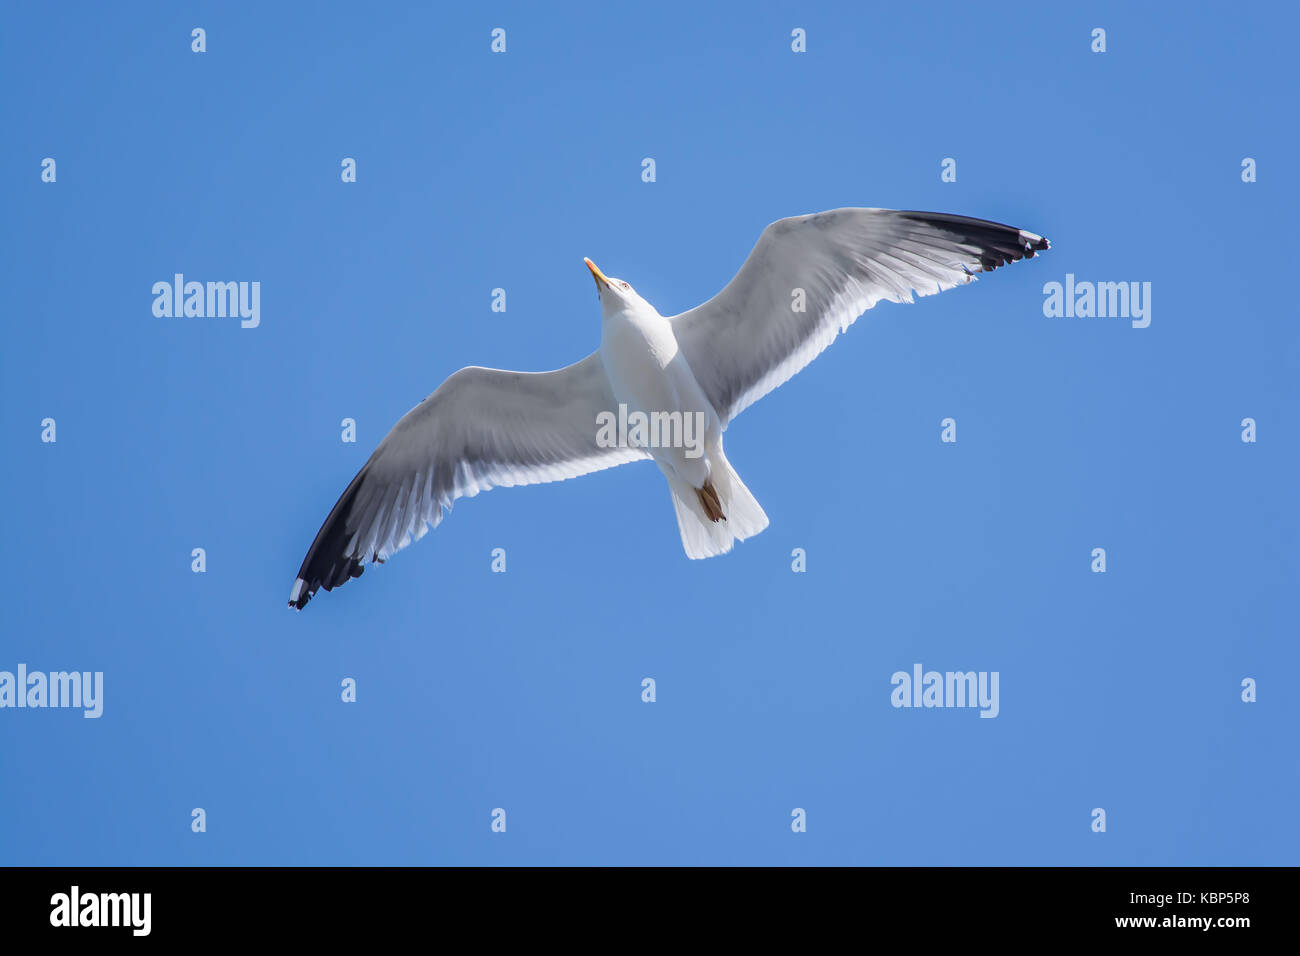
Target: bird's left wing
[[809, 278], [482, 428]]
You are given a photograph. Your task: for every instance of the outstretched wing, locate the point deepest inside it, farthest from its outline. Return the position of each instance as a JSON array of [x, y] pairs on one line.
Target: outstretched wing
[[752, 336], [482, 428]]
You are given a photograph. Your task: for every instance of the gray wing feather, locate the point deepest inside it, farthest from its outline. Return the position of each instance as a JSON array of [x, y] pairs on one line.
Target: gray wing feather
[[751, 337], [482, 428]]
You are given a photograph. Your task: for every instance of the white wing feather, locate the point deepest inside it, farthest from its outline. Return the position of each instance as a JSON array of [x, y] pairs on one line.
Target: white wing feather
[[483, 428], [751, 338]]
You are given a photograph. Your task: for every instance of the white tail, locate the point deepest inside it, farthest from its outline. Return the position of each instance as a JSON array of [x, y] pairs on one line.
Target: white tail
[[702, 538]]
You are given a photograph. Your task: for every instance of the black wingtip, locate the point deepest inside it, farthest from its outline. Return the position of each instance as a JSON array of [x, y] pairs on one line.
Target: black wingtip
[[1034, 244], [301, 595], [998, 243], [340, 574], [326, 565]]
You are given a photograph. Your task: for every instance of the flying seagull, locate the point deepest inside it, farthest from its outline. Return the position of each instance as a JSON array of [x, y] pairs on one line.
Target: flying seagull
[[806, 281]]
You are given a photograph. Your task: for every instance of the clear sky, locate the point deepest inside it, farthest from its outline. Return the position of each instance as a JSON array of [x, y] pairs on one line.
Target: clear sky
[[478, 690]]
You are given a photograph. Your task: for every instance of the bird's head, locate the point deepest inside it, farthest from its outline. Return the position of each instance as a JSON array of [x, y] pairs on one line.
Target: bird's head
[[615, 294]]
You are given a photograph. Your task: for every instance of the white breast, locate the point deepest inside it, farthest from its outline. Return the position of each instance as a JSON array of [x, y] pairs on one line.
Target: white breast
[[647, 369], [648, 372]]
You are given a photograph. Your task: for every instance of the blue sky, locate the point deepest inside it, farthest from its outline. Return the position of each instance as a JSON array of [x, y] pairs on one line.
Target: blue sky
[[522, 690]]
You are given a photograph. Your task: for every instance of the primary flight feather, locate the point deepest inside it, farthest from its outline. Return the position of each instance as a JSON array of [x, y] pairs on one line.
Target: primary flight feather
[[806, 281]]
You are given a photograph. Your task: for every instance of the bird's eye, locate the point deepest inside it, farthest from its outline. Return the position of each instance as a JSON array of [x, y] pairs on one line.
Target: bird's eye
[[625, 285]]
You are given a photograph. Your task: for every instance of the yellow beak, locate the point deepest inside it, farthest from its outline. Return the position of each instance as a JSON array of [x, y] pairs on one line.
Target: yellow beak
[[596, 274]]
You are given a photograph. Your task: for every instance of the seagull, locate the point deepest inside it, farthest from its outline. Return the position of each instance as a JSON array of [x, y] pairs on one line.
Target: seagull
[[806, 280]]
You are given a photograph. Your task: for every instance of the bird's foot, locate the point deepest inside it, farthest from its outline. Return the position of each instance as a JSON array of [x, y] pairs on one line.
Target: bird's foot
[[709, 501]]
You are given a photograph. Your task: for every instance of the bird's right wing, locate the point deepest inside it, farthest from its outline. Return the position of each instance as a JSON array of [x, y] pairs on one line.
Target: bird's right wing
[[481, 429], [809, 278]]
